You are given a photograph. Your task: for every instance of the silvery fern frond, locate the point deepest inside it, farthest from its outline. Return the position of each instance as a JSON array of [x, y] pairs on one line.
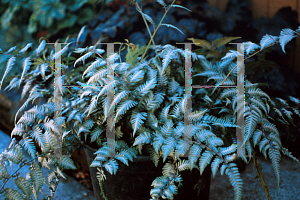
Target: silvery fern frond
[[10, 63], [25, 48], [40, 48], [26, 65]]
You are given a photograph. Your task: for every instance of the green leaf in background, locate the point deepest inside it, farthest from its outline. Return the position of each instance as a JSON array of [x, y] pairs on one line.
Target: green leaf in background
[[76, 4], [8, 16], [222, 41], [32, 26], [85, 15], [69, 21], [46, 11], [202, 43]]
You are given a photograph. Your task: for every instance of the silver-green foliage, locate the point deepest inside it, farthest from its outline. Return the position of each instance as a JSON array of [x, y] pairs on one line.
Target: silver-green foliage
[[149, 101], [36, 126]]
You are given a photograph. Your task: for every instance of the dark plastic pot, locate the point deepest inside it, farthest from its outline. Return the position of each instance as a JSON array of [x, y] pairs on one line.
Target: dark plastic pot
[[134, 182]]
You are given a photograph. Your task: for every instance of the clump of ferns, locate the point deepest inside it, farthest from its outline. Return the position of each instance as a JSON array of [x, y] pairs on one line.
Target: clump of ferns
[[167, 141], [149, 101]]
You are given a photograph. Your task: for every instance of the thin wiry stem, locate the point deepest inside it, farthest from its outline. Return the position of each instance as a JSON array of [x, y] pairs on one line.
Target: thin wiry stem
[[157, 29], [151, 38]]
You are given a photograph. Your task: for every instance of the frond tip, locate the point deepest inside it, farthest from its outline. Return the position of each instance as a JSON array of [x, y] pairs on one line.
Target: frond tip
[[10, 63]]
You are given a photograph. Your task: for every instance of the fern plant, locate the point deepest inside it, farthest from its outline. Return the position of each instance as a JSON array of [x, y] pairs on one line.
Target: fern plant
[[149, 103]]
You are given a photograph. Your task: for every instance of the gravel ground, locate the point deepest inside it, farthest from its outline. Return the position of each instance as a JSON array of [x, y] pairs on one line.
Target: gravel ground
[[68, 189], [289, 188]]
